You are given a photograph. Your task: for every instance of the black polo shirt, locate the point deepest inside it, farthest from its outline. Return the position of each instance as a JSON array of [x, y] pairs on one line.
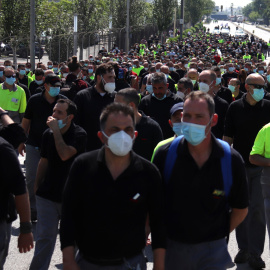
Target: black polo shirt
[[98, 209], [90, 104], [243, 122], [149, 135], [159, 110], [221, 107], [194, 213], [228, 76], [38, 110], [56, 175], [225, 94]]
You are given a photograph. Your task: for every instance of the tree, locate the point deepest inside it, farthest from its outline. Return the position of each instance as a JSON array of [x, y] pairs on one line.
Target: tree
[[163, 13], [253, 16], [247, 9]]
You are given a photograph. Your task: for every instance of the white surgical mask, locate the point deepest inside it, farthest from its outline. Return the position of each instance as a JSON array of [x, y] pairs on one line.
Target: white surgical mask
[[120, 143], [204, 87], [108, 87], [180, 94]]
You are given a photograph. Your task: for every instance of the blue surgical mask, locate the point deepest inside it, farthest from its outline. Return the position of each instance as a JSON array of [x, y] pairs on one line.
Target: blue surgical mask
[[27, 69], [149, 88], [90, 70], [50, 66], [86, 65], [39, 82], [231, 69], [261, 72], [254, 70], [22, 72], [146, 69], [130, 69], [177, 129], [218, 81], [159, 98], [258, 94], [268, 78], [61, 124], [171, 68], [1, 73], [194, 133], [246, 69], [55, 69], [54, 91], [232, 88], [157, 70], [8, 66], [10, 80], [84, 78]]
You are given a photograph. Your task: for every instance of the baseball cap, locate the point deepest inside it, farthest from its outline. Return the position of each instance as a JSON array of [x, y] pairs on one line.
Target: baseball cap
[[176, 107], [53, 80]]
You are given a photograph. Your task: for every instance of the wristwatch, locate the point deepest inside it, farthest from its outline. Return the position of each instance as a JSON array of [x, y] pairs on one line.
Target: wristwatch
[[2, 113]]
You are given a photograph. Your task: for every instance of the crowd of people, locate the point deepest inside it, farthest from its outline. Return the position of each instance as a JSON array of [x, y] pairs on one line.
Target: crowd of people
[[169, 139]]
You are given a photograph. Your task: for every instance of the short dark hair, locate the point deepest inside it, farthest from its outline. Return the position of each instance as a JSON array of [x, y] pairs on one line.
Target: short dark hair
[[72, 108], [158, 77], [104, 69], [195, 95], [21, 66], [39, 71], [73, 64], [114, 108], [215, 68], [130, 95], [187, 82]]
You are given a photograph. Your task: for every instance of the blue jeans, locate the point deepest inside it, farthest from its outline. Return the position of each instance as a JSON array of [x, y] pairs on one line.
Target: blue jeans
[[211, 255], [31, 164], [136, 262], [250, 234], [5, 233], [48, 213]]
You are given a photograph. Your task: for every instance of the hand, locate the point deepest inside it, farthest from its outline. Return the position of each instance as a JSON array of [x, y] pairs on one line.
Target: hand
[[25, 242], [21, 149], [1, 110], [52, 123], [71, 266]]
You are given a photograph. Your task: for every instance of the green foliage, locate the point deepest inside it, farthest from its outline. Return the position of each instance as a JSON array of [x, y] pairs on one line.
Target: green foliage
[[253, 16], [247, 9], [258, 9]]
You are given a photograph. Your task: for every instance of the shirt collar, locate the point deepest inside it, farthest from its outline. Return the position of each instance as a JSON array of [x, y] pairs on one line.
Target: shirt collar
[[14, 87]]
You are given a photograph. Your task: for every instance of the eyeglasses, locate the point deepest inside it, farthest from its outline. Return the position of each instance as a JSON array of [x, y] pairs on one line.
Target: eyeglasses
[[258, 86], [14, 76]]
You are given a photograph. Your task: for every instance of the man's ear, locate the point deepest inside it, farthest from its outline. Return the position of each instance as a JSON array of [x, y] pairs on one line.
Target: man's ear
[[136, 133], [101, 137], [214, 120], [170, 123]]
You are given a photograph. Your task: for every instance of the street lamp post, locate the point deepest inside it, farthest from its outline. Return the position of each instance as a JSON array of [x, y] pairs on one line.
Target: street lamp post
[[127, 30], [182, 19], [32, 34], [75, 34]]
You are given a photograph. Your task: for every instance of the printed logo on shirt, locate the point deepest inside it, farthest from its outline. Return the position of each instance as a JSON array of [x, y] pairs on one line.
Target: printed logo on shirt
[[15, 100], [218, 193]]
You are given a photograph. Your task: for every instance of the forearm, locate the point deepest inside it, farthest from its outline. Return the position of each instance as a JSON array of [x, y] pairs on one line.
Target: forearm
[[68, 254], [64, 151], [159, 259], [237, 217], [23, 207], [41, 171], [26, 125], [229, 140], [259, 160], [6, 120]]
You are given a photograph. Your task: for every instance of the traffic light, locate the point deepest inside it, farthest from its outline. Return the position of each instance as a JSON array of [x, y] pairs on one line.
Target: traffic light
[[221, 8]]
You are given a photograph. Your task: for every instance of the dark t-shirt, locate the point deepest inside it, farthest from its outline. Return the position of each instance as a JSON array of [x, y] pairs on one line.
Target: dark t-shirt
[[225, 94], [159, 110], [228, 76], [38, 110], [89, 107], [149, 135], [243, 123], [56, 175], [196, 209]]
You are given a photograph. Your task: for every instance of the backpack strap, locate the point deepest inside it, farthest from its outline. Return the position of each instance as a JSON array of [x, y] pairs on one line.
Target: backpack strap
[[171, 158], [226, 167]]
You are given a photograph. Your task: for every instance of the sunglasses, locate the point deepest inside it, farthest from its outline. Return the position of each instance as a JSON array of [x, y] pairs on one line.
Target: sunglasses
[[258, 86], [14, 76]]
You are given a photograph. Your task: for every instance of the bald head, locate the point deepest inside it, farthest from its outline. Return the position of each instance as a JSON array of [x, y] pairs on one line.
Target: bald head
[[164, 69], [254, 78]]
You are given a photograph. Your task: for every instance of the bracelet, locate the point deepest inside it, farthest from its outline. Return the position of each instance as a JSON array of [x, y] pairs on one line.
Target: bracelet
[[2, 113], [25, 227]]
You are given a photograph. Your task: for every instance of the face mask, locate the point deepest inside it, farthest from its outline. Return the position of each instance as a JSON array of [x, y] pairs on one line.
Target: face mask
[[222, 70], [84, 78], [91, 59], [261, 72], [218, 81], [254, 70], [61, 124], [146, 69], [157, 70], [193, 81], [246, 69], [119, 143], [39, 82], [90, 70], [1, 73], [231, 69], [10, 80], [7, 66], [55, 70], [268, 78], [149, 88], [186, 65], [159, 98], [171, 68], [180, 94], [65, 75], [50, 66], [232, 88], [22, 72], [98, 61], [258, 94], [54, 91], [108, 87], [194, 133], [86, 65], [130, 69], [177, 129], [204, 87]]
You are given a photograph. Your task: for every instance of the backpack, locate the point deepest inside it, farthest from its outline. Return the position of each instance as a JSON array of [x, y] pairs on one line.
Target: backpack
[[226, 165]]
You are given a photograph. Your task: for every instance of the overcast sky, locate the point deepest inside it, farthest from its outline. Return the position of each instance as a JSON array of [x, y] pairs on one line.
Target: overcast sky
[[236, 3]]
